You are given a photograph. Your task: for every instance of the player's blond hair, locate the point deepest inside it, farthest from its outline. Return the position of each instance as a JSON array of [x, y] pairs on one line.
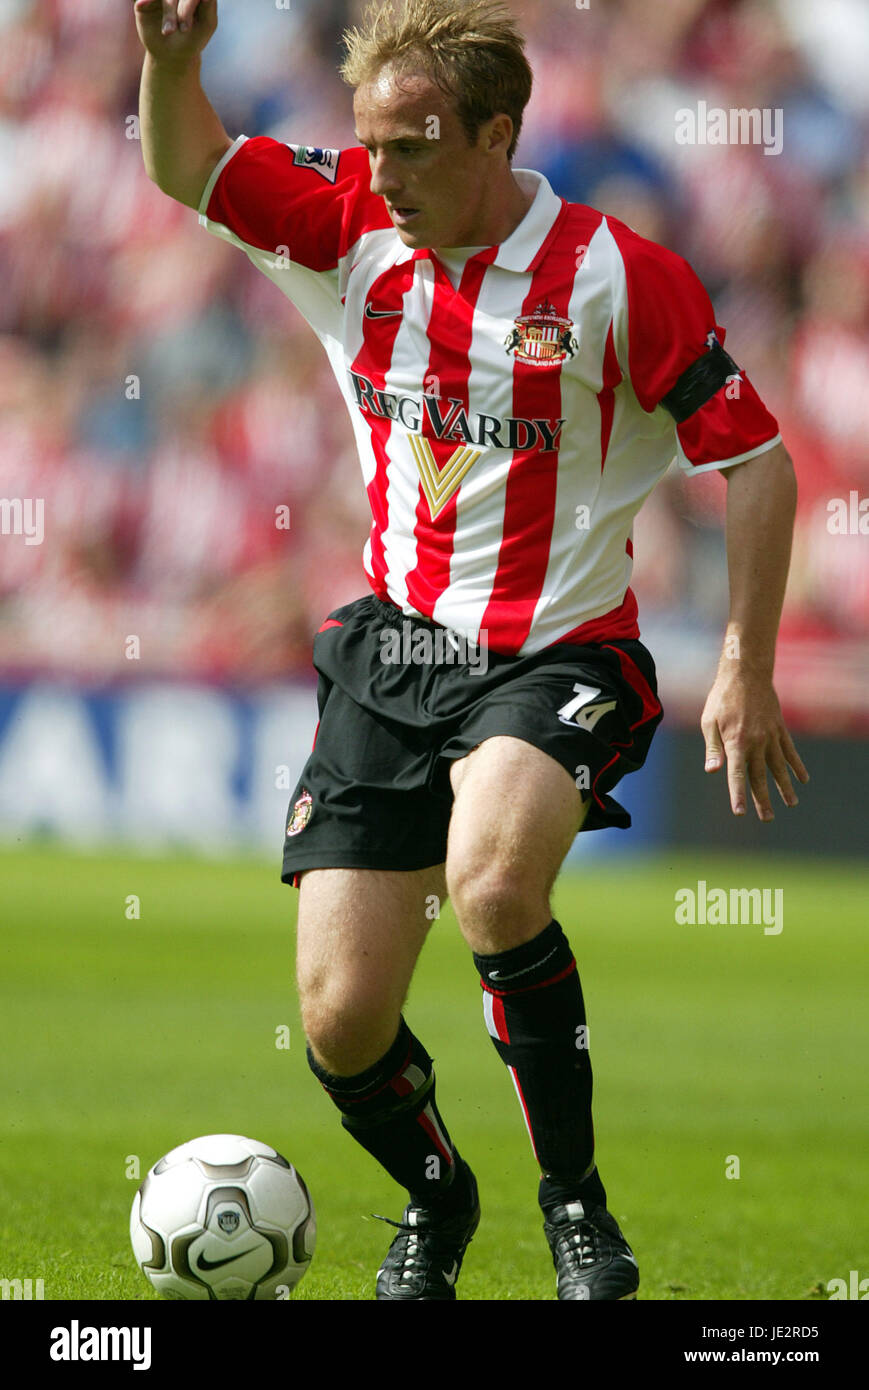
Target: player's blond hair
[[472, 49]]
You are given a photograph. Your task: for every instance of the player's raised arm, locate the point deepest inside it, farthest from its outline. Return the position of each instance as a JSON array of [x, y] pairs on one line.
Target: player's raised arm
[[182, 135]]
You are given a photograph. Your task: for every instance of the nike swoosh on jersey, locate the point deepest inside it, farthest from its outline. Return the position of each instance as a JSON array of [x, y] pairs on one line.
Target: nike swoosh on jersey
[[382, 313], [202, 1263]]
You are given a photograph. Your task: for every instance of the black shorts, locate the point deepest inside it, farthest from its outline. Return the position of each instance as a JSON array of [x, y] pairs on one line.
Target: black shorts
[[400, 699]]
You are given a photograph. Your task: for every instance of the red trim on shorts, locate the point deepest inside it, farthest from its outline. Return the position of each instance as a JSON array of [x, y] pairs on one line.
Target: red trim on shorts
[[638, 683], [651, 708]]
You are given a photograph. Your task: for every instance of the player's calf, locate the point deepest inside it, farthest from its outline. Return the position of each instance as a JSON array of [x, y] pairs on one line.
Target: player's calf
[[535, 1014], [390, 1109]]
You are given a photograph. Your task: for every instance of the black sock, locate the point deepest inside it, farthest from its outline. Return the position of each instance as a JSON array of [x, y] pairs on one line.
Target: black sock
[[590, 1191], [390, 1110], [535, 1014]]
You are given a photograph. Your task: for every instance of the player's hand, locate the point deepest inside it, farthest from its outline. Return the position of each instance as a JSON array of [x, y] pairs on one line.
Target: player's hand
[[175, 29], [742, 724]]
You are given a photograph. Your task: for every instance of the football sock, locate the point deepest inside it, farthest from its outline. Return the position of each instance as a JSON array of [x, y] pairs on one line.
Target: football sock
[[390, 1110], [535, 1014]]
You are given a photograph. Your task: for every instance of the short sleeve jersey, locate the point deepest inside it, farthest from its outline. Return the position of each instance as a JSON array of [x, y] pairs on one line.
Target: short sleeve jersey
[[510, 427]]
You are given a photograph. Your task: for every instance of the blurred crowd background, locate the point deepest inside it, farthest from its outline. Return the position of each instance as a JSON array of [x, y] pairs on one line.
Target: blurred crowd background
[[164, 399]]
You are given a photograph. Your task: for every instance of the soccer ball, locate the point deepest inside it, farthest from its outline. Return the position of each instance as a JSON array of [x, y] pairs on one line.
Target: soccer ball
[[223, 1217]]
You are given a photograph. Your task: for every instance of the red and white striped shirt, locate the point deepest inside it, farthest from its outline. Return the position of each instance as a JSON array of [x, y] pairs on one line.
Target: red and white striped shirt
[[509, 429]]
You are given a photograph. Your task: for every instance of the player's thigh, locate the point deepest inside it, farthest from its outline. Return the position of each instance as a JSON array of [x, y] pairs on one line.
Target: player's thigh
[[515, 816], [359, 935]]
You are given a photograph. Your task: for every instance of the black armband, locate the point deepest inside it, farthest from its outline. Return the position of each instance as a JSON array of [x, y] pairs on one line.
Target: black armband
[[699, 382]]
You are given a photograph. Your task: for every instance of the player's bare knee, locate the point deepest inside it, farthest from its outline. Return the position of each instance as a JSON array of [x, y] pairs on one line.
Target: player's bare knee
[[344, 1047], [497, 906], [348, 1030]]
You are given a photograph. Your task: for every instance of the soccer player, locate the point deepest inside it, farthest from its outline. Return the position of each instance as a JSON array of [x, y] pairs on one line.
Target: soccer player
[[520, 372]]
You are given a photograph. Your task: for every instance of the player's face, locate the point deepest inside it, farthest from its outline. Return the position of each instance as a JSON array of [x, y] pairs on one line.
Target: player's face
[[439, 189]]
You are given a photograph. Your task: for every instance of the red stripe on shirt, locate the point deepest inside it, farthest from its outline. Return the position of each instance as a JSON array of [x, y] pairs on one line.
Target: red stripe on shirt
[[619, 625], [372, 361], [606, 396], [450, 331], [529, 507]]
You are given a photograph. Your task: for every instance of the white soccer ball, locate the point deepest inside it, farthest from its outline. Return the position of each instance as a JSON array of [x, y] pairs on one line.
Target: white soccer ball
[[223, 1217]]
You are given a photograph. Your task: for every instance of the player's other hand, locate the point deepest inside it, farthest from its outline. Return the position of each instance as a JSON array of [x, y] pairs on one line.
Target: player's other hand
[[175, 29], [742, 725]]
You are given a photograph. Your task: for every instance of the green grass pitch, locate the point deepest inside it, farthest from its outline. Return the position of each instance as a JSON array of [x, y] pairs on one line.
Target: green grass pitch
[[122, 1037]]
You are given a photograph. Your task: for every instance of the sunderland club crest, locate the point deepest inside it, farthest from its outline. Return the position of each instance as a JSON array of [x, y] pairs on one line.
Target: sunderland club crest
[[542, 339], [301, 814]]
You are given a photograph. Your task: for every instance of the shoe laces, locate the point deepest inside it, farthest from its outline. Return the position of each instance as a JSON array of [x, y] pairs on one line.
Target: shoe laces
[[409, 1226], [579, 1244], [408, 1241]]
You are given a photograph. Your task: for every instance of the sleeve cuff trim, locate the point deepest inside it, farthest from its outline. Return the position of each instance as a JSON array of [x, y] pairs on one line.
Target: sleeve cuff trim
[[215, 175], [691, 468]]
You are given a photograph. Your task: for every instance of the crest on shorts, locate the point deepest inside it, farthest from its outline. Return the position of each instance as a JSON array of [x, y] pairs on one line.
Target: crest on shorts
[[542, 339], [301, 814]]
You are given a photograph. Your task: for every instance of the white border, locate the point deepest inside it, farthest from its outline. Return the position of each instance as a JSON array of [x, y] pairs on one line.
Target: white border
[[692, 468], [215, 175]]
